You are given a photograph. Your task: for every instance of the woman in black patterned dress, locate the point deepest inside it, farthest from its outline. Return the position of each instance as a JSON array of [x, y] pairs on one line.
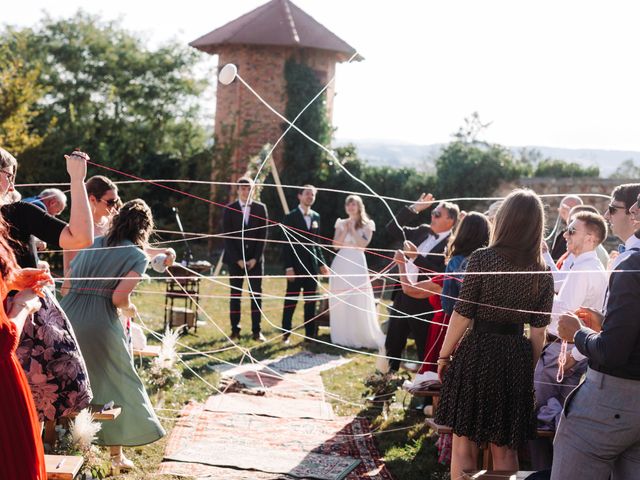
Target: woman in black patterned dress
[[487, 392]]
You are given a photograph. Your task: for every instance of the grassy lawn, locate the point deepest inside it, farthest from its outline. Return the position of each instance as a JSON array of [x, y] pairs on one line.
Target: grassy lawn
[[401, 438]]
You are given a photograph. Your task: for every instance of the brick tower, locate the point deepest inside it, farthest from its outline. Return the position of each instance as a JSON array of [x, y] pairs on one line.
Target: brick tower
[[259, 43]]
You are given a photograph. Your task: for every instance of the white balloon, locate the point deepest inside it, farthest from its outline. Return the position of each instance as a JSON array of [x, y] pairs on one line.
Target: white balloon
[[228, 74]]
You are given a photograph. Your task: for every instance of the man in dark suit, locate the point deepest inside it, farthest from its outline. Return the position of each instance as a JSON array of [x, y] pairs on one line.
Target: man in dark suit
[[243, 254], [424, 247], [302, 263]]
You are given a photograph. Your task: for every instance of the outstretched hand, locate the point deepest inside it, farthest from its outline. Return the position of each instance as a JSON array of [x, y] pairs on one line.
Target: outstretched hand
[[424, 201], [30, 278], [77, 165], [410, 250]]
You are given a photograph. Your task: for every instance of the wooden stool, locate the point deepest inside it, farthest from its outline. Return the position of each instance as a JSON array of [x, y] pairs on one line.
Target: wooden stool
[[63, 467]]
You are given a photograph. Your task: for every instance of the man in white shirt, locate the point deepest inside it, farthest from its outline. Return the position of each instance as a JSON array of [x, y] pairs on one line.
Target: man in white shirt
[[559, 274], [584, 286]]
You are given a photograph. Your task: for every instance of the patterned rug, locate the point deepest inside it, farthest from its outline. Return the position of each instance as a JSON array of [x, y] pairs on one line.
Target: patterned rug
[[310, 442], [270, 406]]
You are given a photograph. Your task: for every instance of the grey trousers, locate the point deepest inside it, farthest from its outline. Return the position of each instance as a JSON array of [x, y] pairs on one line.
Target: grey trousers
[[599, 432], [546, 387]]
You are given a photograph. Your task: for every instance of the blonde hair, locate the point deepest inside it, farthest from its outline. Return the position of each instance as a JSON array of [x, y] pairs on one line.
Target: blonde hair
[[363, 218]]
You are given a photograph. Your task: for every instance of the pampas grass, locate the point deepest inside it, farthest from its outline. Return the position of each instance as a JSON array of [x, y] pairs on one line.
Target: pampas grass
[[83, 430]]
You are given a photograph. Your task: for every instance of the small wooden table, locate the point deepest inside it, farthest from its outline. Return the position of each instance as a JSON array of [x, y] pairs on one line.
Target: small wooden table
[[63, 467]]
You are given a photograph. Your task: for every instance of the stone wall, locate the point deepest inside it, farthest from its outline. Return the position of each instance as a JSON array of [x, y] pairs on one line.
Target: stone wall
[[593, 191]]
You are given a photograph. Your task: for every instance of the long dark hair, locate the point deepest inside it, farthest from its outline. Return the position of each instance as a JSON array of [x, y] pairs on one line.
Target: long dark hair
[[134, 222], [518, 230], [473, 232]]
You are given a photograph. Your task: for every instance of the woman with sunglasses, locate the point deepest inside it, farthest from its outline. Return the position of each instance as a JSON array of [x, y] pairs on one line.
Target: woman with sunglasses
[[48, 350], [105, 202]]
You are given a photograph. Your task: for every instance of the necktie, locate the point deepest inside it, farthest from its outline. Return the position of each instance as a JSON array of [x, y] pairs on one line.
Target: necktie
[[621, 248]]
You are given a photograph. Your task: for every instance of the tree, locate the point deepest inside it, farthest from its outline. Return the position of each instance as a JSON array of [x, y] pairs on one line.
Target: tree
[[474, 170], [19, 94], [304, 162], [126, 105], [95, 86], [627, 169], [560, 169]]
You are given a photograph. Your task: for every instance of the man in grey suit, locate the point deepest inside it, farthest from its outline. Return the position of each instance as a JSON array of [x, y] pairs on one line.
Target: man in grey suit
[[599, 433]]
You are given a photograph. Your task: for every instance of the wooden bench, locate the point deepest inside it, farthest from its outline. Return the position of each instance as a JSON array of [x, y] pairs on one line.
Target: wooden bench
[[50, 437], [443, 430], [439, 429], [149, 351], [63, 467], [435, 398], [495, 475]]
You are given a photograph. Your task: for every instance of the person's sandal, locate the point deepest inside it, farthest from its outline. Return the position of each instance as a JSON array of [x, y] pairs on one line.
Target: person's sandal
[[120, 463]]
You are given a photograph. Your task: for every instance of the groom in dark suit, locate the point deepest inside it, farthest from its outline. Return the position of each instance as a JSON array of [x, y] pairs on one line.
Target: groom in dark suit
[[302, 263], [247, 214], [424, 247]]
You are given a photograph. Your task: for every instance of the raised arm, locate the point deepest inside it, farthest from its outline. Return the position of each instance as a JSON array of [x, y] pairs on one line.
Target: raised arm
[[79, 232]]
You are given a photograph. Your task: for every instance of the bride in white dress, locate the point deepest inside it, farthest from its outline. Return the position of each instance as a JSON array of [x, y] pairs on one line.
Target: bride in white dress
[[352, 308]]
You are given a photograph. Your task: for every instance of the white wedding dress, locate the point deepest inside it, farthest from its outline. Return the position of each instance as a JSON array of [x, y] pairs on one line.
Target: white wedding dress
[[352, 308]]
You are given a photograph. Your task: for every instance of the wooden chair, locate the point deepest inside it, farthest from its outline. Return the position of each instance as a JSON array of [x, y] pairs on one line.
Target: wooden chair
[[63, 467]]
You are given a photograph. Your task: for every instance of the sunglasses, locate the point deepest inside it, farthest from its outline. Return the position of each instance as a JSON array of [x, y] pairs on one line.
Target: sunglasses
[[614, 208], [111, 203], [11, 177]]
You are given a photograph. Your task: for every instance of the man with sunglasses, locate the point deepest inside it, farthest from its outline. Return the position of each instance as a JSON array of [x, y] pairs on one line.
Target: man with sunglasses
[[622, 222], [599, 432], [584, 286], [559, 246], [424, 248]]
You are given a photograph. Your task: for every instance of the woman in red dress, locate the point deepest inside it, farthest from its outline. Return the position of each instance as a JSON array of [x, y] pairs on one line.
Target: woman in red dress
[[21, 453]]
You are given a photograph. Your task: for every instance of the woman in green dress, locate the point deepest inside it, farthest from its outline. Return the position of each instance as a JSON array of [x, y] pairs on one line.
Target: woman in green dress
[[92, 306]]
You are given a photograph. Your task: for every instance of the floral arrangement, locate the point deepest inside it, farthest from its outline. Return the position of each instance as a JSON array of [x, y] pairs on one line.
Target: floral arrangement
[[78, 440], [164, 372], [382, 387]]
